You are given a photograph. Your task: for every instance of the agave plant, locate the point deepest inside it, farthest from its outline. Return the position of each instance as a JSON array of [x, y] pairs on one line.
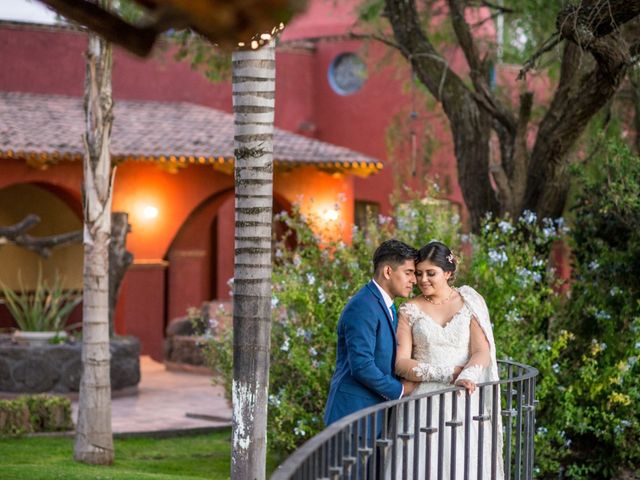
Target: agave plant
[[45, 309]]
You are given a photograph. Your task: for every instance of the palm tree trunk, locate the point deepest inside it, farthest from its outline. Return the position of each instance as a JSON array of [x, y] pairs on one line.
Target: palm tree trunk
[[253, 106], [94, 439]]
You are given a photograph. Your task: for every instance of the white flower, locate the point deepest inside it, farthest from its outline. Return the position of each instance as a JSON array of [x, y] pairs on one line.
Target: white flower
[[538, 262], [497, 258], [536, 277], [297, 260], [274, 302], [285, 346], [273, 400], [455, 219], [529, 217], [311, 279], [602, 315], [556, 368], [505, 226], [301, 332], [321, 296], [313, 352], [513, 316], [279, 253], [548, 232], [594, 265]]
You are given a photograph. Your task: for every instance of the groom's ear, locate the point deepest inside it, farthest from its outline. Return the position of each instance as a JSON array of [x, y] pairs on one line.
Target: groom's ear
[[387, 270]]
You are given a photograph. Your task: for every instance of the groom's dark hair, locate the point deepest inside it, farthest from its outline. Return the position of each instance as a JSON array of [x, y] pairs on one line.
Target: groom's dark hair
[[394, 253]]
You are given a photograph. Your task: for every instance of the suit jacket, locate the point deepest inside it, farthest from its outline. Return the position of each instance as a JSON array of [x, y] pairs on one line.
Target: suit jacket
[[365, 356]]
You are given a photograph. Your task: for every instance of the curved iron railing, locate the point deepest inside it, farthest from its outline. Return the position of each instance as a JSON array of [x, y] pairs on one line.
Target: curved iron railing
[[347, 449]]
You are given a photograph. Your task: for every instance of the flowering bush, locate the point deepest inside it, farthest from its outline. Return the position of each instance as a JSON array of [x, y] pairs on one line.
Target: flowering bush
[[585, 346], [598, 398], [311, 285]]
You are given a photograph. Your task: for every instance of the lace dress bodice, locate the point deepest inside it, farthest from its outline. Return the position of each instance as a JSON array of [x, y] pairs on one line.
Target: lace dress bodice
[[439, 345]]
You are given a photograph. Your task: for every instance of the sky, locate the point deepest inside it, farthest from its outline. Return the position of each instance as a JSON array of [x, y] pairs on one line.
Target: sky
[[30, 11]]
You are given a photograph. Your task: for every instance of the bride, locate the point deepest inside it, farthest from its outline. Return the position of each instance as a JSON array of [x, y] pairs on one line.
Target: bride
[[444, 337]]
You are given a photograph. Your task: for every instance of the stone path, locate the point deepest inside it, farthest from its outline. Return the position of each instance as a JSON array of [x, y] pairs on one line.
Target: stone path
[[169, 402]]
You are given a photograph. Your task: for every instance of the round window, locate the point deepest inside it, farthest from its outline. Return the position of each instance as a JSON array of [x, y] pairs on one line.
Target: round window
[[347, 73]]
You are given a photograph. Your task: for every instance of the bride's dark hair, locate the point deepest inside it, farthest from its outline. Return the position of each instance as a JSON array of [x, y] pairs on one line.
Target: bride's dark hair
[[440, 255]]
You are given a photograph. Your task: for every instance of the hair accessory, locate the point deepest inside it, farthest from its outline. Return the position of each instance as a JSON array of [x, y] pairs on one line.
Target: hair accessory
[[450, 258]]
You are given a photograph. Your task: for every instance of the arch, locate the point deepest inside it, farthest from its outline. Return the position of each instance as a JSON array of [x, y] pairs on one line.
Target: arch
[[200, 256], [194, 274], [59, 214]]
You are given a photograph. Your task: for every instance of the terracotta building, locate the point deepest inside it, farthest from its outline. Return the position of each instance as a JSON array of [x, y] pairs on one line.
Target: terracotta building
[[336, 103]]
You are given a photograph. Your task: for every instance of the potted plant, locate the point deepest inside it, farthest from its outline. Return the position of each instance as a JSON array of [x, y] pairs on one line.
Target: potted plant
[[40, 314]]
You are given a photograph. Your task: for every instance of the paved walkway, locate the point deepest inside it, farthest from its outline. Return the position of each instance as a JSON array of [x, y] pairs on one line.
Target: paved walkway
[[168, 402]]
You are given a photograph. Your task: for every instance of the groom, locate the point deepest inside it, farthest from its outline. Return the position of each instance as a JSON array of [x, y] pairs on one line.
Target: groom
[[366, 351]]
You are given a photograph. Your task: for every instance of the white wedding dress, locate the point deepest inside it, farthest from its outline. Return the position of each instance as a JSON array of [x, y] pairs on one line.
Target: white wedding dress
[[438, 349]]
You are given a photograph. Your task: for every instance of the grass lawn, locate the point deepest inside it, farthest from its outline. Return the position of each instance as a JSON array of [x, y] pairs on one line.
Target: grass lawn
[[201, 456]]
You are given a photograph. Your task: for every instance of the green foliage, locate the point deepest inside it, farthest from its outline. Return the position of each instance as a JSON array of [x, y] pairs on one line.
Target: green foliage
[[49, 413], [311, 285], [35, 413], [46, 309], [585, 344], [201, 55], [599, 393], [14, 417]]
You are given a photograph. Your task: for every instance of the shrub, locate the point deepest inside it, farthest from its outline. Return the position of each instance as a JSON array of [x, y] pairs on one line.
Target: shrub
[[597, 407], [45, 309], [585, 345], [311, 285], [35, 413]]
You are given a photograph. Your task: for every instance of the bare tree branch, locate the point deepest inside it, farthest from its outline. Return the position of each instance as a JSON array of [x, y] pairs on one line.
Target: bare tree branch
[[477, 68], [549, 44], [19, 228], [43, 246]]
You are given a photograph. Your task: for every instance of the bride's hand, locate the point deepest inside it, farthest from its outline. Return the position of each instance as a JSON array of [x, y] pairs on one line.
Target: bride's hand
[[456, 372], [468, 384]]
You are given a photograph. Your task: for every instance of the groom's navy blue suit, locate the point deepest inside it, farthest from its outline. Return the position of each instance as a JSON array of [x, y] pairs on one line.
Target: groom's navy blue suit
[[366, 356]]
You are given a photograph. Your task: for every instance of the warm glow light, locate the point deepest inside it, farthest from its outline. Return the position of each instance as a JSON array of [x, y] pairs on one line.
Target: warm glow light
[[150, 212], [330, 215]]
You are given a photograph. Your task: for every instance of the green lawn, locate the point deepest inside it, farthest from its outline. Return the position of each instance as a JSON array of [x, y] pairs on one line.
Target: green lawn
[[201, 456]]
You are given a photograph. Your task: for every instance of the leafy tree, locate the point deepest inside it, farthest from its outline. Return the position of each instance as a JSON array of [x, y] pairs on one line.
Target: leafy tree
[[596, 53]]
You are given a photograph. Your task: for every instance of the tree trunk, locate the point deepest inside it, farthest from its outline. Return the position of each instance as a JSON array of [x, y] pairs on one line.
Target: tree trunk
[[253, 106], [119, 260], [94, 439]]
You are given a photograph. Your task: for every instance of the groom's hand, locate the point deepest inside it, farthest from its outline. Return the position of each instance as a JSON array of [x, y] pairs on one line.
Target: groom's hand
[[456, 372]]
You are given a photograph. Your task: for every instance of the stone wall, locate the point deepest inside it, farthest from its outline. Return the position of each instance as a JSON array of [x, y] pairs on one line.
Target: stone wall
[[57, 368]]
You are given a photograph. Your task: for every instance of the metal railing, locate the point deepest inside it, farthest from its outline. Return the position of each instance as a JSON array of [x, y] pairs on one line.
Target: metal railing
[[454, 436]]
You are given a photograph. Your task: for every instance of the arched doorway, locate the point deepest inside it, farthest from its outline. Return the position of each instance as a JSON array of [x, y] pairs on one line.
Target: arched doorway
[[59, 212], [201, 255]]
